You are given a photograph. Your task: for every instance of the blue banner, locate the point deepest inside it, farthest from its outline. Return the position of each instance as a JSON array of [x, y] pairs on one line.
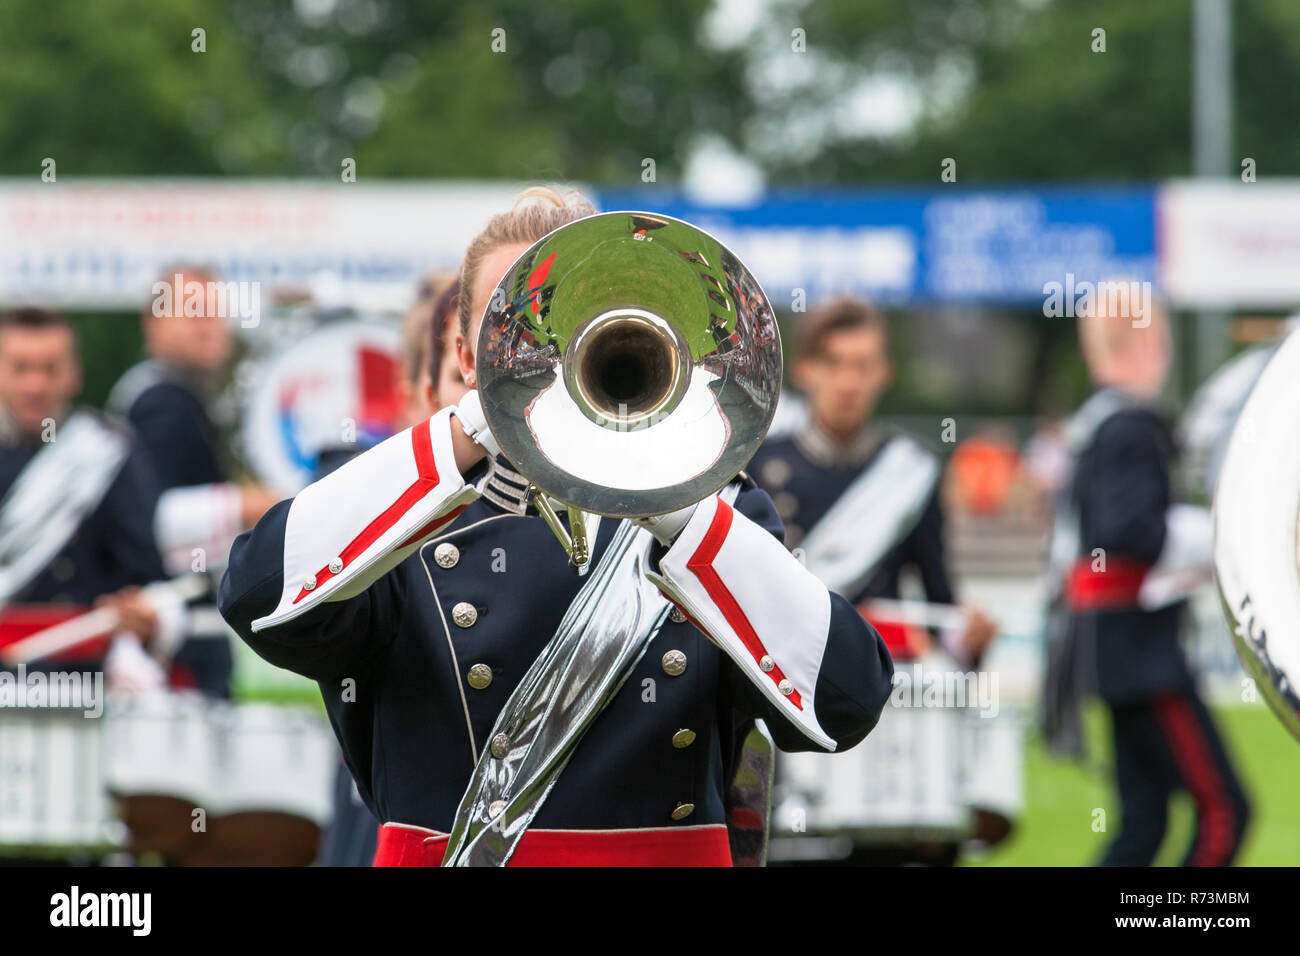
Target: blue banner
[[947, 245]]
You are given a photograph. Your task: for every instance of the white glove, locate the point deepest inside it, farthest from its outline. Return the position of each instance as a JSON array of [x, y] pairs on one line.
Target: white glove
[[668, 526], [469, 412], [128, 667]]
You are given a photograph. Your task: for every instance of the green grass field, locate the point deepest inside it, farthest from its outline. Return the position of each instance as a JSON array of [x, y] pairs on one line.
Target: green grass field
[[1056, 829]]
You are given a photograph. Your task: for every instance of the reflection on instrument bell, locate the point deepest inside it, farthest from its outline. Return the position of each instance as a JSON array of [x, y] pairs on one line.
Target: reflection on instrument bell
[[629, 365], [1256, 515]]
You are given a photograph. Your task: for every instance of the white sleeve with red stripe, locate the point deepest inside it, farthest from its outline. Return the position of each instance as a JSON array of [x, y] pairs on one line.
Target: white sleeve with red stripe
[[356, 524], [753, 599]]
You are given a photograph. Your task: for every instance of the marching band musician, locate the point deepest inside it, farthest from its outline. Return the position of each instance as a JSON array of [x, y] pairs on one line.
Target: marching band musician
[[446, 385], [430, 376], [863, 502], [166, 399], [418, 630], [78, 492], [1115, 526]]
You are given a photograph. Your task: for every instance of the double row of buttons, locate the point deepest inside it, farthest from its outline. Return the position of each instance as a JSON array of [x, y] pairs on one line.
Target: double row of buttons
[[465, 615]]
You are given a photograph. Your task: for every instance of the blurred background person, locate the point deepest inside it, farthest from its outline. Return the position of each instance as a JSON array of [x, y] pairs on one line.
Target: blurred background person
[[414, 382], [863, 503], [76, 520], [842, 367], [446, 383], [166, 398], [1111, 532]]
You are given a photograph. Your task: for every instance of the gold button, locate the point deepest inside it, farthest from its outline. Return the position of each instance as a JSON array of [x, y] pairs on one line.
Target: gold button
[[495, 808], [674, 663], [683, 811], [464, 614], [683, 738], [785, 687], [678, 615], [446, 555], [766, 663], [500, 746], [480, 676]]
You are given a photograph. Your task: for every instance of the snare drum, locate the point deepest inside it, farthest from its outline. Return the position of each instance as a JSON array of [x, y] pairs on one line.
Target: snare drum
[[160, 743], [275, 759], [993, 765], [51, 781], [900, 784], [277, 768], [161, 768], [204, 782]]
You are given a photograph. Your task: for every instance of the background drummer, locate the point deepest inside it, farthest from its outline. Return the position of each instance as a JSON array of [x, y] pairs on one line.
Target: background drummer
[[842, 366], [112, 551], [167, 398]]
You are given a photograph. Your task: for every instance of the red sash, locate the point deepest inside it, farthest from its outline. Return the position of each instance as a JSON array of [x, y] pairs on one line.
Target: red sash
[[893, 634], [23, 620], [1115, 588], [670, 846]]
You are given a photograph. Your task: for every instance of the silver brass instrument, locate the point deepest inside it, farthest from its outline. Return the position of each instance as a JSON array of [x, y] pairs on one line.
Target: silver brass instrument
[[1257, 534], [629, 365]]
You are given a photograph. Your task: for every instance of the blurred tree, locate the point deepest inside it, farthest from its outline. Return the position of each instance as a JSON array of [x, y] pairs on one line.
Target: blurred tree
[[573, 90], [822, 91], [1011, 89], [115, 88], [583, 90]]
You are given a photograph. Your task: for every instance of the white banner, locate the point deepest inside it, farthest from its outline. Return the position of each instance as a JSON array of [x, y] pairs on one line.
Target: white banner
[[102, 243], [1230, 244]]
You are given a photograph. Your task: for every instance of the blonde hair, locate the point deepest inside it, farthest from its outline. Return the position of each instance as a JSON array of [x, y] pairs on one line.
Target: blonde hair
[[1115, 322], [537, 211]]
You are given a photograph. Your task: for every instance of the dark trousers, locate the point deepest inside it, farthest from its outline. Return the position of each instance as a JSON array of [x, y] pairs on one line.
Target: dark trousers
[[1163, 744]]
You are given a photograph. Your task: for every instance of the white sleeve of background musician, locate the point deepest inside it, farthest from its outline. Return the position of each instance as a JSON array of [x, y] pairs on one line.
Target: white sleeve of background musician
[[356, 524], [203, 518], [754, 600]]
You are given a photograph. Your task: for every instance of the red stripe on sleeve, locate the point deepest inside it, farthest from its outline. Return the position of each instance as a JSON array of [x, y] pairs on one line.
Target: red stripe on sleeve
[[701, 565], [422, 447]]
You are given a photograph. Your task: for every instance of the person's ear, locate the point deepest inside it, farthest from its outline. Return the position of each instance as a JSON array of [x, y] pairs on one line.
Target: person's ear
[[465, 359]]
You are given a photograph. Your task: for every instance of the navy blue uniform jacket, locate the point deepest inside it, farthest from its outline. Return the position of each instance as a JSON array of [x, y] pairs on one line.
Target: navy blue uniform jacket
[[416, 727], [813, 488], [1122, 490]]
